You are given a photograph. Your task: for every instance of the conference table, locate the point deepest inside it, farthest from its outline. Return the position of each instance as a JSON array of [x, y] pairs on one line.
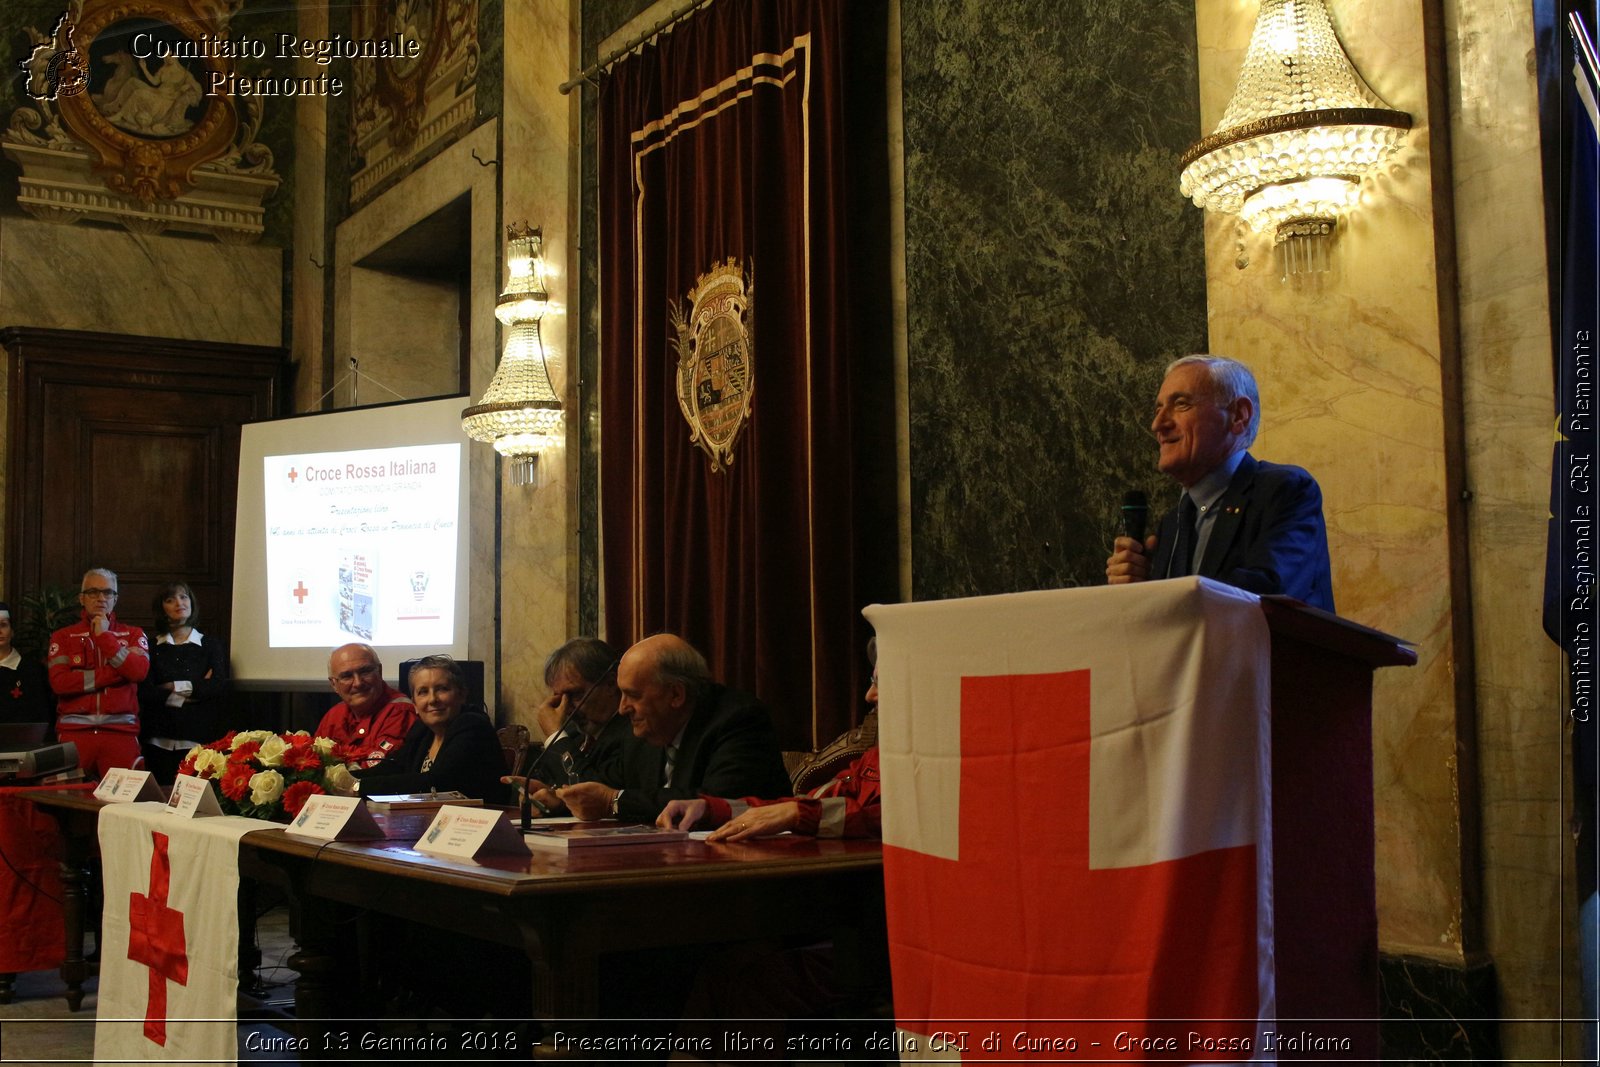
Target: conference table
[[565, 911]]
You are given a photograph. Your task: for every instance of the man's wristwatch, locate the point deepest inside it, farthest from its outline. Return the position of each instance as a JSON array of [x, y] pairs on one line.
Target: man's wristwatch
[[614, 800]]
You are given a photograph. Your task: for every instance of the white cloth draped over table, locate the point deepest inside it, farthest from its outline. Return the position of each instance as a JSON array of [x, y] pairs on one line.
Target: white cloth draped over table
[[169, 959]]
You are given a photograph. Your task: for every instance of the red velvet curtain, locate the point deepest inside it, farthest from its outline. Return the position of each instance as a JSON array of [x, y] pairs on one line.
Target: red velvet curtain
[[722, 140]]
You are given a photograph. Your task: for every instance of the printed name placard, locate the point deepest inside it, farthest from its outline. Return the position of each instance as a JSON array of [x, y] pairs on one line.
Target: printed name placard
[[192, 798], [461, 833], [122, 786], [331, 818]]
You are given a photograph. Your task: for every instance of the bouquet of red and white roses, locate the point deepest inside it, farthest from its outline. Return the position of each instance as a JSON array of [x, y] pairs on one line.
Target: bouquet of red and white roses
[[269, 776]]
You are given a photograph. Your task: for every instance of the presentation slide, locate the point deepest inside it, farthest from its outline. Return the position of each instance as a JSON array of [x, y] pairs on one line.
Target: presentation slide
[[359, 547], [353, 526]]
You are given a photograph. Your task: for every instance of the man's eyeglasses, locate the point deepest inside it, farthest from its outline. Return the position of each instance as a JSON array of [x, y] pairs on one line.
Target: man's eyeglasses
[[363, 672], [108, 594]]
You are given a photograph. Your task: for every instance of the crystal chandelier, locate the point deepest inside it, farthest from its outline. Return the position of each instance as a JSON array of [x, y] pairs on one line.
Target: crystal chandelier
[[520, 413], [1300, 133]]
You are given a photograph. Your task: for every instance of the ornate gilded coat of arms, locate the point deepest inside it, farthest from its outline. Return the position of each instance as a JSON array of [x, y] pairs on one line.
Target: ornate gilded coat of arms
[[716, 369]]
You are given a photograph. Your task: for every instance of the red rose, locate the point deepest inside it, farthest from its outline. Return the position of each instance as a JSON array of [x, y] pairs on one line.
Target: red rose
[[296, 795], [236, 781]]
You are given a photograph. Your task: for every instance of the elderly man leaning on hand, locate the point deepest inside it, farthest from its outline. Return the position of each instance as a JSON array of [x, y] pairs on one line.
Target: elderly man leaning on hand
[[690, 736]]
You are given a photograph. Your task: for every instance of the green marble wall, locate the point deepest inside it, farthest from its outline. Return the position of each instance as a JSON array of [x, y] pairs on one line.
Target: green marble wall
[[1052, 271]]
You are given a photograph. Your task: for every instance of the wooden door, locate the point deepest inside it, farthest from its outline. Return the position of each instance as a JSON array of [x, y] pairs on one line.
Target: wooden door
[[124, 453]]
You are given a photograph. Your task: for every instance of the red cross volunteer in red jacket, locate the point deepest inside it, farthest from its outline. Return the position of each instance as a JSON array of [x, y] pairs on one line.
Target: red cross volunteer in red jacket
[[372, 717], [96, 665]]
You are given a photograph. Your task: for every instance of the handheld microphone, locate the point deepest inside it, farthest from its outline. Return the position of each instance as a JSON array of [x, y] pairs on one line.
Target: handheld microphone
[[1135, 513], [533, 762]]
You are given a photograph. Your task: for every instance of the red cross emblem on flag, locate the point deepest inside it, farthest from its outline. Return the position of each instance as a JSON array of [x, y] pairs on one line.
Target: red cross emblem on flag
[[155, 939], [1020, 927]]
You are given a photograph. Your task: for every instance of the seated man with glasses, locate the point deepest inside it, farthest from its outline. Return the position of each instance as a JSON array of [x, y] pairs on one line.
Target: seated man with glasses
[[372, 717], [96, 665]]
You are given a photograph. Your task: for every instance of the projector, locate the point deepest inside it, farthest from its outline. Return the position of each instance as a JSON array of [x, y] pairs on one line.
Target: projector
[[38, 762]]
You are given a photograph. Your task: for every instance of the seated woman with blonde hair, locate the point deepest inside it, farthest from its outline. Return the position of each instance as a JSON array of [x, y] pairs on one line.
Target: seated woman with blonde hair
[[451, 745]]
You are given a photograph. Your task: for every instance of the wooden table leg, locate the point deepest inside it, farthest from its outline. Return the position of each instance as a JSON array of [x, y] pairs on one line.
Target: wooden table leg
[[74, 894]]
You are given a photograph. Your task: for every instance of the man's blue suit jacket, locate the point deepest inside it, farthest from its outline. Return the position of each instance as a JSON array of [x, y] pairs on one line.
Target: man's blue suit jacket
[[1268, 537]]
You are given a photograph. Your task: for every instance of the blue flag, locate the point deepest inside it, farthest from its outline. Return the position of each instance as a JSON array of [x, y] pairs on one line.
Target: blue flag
[[1570, 596]]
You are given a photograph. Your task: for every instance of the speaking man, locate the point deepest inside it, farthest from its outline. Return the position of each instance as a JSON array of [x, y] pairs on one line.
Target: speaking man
[[1251, 524], [690, 736], [372, 717], [96, 665]]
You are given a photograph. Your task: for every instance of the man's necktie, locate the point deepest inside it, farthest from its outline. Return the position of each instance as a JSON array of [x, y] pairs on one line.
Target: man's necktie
[[1183, 550], [672, 758]]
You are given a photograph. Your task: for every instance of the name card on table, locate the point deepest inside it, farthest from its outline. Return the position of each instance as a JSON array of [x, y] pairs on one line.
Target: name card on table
[[461, 833], [122, 786], [192, 798], [331, 818]]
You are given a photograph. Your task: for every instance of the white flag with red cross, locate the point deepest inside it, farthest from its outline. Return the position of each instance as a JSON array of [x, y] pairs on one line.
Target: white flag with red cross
[[169, 954], [1076, 823]]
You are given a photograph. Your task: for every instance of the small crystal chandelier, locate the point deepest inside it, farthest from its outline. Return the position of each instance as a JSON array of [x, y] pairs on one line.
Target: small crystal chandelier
[[1300, 133], [520, 413]]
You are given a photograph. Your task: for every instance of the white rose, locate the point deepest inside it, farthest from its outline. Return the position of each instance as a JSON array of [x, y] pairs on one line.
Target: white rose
[[245, 736], [210, 763], [323, 746], [272, 750], [266, 787], [338, 779]]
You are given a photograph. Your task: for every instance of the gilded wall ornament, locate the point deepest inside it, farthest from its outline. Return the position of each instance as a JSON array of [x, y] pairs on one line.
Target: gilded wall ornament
[[715, 345], [404, 104], [118, 98]]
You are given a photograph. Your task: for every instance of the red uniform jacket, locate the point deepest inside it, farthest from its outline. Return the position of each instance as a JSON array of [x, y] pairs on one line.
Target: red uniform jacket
[[96, 678], [848, 806]]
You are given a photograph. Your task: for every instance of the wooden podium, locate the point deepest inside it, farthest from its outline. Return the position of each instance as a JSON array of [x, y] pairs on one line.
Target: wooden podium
[[1162, 797], [1322, 817]]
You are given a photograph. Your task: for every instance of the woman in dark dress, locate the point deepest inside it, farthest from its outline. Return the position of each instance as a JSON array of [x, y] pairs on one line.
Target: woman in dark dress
[[451, 746], [24, 686], [181, 699]]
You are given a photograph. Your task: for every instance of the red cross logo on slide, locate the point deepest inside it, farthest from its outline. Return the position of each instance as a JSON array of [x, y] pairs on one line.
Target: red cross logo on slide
[[300, 592], [155, 939], [1020, 927], [293, 474]]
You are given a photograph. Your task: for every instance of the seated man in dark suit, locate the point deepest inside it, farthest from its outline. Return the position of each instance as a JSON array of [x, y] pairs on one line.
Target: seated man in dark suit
[[849, 805], [1254, 525], [690, 736]]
